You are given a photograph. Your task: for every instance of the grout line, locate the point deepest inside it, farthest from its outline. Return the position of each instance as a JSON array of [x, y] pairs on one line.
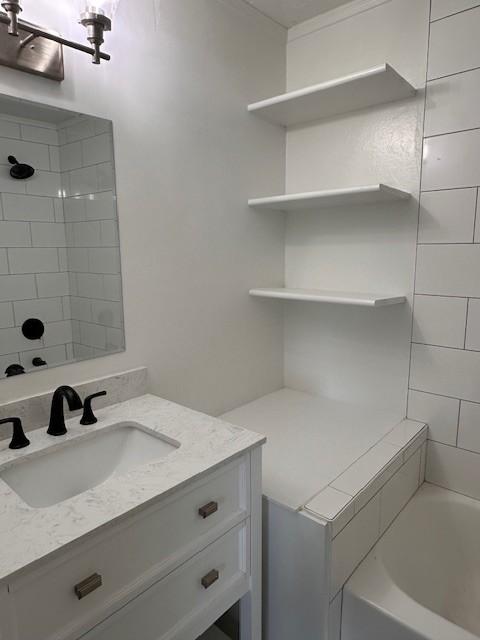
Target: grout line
[[455, 13], [42, 246], [446, 295], [429, 244], [454, 446], [48, 273], [442, 395], [458, 423], [455, 73], [412, 323], [466, 328], [465, 495], [475, 217], [341, 615], [451, 133], [59, 197], [443, 346], [472, 186]]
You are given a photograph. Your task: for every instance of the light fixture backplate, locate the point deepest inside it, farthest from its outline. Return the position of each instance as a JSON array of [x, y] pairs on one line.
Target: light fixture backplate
[[39, 56]]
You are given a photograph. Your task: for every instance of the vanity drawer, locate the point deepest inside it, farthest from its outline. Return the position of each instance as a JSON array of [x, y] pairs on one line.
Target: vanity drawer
[[203, 588], [128, 558]]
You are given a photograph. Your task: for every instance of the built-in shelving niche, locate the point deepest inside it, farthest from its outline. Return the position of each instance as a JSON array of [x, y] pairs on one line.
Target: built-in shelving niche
[[356, 91]]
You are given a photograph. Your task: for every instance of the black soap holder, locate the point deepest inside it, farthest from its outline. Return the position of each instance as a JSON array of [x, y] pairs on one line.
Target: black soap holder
[[88, 415]]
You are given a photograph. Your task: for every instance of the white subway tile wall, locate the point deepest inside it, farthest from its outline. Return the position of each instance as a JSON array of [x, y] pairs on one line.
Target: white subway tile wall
[[86, 158], [445, 365], [59, 246]]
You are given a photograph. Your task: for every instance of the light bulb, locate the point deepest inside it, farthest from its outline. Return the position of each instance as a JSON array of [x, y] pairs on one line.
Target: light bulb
[[102, 7], [96, 16]]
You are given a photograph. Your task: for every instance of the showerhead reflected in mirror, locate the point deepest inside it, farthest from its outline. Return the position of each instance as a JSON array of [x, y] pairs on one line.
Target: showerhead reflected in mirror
[[60, 278]]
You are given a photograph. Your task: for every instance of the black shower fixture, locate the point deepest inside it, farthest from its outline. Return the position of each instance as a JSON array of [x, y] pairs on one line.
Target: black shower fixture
[[14, 370], [33, 329], [20, 171]]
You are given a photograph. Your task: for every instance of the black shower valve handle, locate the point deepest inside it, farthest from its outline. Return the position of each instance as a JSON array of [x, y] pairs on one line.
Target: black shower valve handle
[[88, 415], [12, 160]]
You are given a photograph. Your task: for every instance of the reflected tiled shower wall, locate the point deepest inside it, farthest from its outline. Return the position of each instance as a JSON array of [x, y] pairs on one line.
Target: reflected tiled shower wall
[[86, 160], [59, 256], [33, 254], [445, 363]]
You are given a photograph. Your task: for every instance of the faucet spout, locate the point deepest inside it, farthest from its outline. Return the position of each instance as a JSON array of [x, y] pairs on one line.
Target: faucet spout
[[56, 426]]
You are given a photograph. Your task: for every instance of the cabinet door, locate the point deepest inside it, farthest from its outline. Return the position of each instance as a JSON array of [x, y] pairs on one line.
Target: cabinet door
[[185, 603]]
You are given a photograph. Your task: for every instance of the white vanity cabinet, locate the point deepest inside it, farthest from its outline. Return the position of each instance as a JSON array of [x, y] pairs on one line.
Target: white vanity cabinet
[[166, 570]]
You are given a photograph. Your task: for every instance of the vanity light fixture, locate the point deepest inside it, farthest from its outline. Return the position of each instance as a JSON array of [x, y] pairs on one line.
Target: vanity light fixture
[[96, 16], [38, 50]]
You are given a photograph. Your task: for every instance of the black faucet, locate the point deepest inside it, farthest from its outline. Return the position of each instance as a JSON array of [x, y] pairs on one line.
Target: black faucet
[[19, 439], [56, 425], [88, 415]]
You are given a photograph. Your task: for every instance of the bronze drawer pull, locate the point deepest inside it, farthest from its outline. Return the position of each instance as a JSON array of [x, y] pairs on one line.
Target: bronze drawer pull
[[88, 585], [208, 509], [210, 578]]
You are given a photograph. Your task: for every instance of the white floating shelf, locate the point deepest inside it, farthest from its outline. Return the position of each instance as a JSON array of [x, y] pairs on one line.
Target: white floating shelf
[[369, 194], [332, 297], [342, 95]]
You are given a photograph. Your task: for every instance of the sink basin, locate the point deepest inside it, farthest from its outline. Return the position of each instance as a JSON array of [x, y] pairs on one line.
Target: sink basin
[[79, 465]]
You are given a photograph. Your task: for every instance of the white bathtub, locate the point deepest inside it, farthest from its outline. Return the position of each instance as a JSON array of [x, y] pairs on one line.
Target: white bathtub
[[421, 581]]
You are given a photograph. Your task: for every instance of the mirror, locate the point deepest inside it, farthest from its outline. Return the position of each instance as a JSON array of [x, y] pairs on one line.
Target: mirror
[[60, 277]]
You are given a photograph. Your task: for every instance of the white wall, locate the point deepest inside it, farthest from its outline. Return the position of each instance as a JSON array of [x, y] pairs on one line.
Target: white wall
[[353, 354], [445, 371], [187, 158]]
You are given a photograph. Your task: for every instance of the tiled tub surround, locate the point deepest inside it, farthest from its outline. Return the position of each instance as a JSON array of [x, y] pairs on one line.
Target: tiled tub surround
[[445, 362], [205, 443], [358, 527], [350, 492], [59, 247], [35, 411]]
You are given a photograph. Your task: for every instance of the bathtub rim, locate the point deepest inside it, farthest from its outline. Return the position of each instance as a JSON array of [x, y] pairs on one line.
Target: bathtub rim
[[372, 584]]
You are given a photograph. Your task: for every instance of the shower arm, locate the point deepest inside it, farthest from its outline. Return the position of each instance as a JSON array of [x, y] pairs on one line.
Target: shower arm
[[36, 32]]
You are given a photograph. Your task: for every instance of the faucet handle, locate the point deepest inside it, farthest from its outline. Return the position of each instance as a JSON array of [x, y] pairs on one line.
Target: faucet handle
[[88, 415], [19, 439]]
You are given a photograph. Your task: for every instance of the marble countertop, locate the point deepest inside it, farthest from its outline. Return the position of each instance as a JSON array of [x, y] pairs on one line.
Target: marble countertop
[[28, 535]]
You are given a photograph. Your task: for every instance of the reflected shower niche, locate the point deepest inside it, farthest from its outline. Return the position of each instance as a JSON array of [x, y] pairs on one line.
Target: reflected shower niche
[[60, 277]]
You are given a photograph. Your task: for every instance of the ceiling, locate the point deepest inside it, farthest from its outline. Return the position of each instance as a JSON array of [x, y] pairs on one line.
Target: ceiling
[[292, 12]]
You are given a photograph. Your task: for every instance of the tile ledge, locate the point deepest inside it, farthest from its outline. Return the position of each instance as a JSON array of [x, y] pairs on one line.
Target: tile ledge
[[404, 452]]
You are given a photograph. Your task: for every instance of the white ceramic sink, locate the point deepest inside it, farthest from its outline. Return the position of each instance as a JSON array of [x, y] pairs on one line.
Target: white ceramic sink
[[63, 472]]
